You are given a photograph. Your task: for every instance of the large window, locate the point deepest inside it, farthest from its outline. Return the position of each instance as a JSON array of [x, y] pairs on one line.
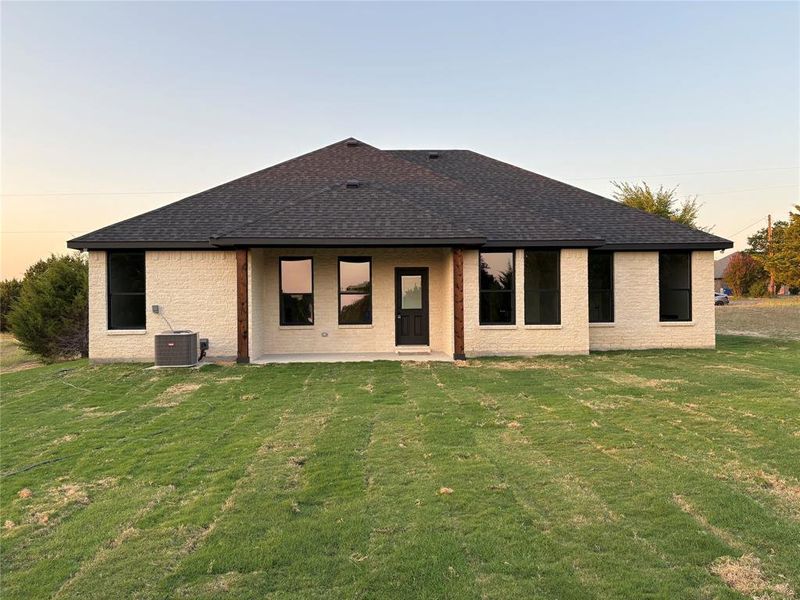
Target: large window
[[496, 288], [355, 291], [601, 286], [126, 287], [297, 291], [675, 286], [542, 287]]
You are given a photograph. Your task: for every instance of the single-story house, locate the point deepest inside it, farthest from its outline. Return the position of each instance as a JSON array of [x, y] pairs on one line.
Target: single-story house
[[353, 249], [719, 271]]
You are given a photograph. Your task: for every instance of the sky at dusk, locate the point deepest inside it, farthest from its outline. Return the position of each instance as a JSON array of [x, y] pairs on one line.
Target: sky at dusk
[[112, 109]]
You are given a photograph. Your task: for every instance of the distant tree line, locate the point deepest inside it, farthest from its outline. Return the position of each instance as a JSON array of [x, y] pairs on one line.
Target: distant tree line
[[748, 272], [48, 310]]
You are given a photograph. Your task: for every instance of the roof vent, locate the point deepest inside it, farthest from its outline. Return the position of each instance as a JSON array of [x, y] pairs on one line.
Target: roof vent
[[352, 142], [433, 155], [353, 183]]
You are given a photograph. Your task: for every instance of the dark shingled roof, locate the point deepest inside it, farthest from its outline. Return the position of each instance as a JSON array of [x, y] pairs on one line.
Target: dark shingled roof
[[396, 197]]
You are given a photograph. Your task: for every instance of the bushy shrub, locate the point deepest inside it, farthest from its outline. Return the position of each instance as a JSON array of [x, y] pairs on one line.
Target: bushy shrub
[[9, 292], [759, 289], [51, 317], [743, 273]]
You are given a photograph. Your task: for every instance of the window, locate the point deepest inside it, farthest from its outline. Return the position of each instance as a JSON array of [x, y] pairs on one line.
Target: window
[[675, 286], [297, 291], [355, 291], [542, 287], [601, 286], [496, 288], [126, 285]]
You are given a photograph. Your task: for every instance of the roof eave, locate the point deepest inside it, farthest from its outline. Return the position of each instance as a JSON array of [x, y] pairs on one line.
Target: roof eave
[[137, 245], [350, 242], [654, 246], [589, 243]]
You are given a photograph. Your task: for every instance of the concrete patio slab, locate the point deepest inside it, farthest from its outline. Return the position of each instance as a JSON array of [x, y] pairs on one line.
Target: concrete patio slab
[[350, 357]]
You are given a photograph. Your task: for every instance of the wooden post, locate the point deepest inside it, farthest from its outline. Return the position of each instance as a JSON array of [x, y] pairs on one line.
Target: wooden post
[[242, 344], [771, 286], [458, 304]]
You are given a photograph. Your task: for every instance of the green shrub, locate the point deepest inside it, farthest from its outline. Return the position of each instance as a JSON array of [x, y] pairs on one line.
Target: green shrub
[[759, 289], [9, 292], [51, 318]]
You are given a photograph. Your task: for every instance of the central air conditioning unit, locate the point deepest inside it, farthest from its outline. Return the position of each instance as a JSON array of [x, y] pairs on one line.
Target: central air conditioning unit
[[177, 349]]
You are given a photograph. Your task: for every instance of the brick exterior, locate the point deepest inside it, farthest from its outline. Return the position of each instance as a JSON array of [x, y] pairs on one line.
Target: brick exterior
[[326, 335], [636, 324], [570, 337], [197, 290]]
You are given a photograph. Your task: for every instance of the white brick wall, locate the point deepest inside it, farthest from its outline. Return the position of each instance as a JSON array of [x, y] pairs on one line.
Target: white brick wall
[[571, 336], [196, 290], [636, 308], [267, 336]]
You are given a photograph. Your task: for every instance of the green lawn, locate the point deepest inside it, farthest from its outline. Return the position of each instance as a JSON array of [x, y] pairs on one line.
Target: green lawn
[[12, 357], [667, 474]]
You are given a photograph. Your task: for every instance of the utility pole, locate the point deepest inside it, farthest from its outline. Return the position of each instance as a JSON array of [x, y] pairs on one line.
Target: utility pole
[[771, 288]]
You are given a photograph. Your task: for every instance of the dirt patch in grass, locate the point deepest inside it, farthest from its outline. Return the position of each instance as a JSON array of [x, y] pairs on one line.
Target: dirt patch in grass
[[95, 412], [701, 520], [175, 394], [787, 493], [514, 365], [629, 379], [607, 402], [64, 439], [43, 507], [744, 575]]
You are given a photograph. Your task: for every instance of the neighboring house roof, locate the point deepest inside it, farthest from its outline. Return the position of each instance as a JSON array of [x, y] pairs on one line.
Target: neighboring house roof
[[395, 197], [721, 264]]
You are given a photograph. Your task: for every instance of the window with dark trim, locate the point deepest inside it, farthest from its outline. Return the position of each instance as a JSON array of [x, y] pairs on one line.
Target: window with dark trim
[[355, 290], [126, 290], [601, 286], [542, 287], [296, 290], [496, 283], [675, 286]]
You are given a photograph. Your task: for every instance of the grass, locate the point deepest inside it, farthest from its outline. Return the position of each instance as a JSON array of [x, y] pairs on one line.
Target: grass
[[766, 317], [12, 357], [663, 474]]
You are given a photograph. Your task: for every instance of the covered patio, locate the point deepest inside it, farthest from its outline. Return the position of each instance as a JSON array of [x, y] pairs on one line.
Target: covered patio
[[349, 303]]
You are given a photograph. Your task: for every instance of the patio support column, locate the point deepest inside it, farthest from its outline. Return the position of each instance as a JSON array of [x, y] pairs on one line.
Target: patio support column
[[458, 304], [242, 342]]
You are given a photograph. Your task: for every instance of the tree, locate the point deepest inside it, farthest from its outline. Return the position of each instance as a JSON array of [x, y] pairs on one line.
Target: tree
[[757, 243], [662, 202], [9, 292], [743, 272], [51, 317], [784, 261], [758, 246]]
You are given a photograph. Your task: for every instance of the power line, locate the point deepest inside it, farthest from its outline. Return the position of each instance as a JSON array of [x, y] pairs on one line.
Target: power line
[[686, 173], [92, 194], [753, 224], [769, 187]]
